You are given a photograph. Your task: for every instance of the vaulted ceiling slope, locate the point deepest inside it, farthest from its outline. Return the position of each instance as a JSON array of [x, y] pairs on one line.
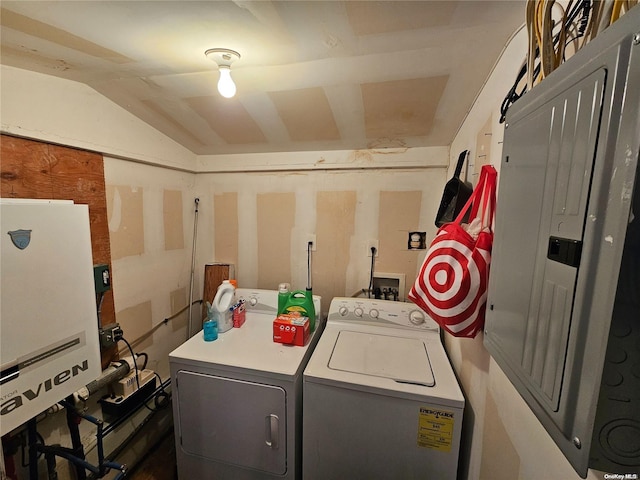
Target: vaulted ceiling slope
[[313, 75]]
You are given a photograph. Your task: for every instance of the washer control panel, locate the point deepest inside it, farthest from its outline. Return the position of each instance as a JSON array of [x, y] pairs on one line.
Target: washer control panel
[[380, 312], [266, 301]]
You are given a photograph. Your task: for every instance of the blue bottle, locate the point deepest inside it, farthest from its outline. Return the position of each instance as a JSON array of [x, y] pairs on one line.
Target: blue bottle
[[210, 326], [210, 329]]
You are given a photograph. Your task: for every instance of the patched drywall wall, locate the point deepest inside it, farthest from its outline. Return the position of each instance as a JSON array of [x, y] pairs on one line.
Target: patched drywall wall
[[261, 222], [151, 219]]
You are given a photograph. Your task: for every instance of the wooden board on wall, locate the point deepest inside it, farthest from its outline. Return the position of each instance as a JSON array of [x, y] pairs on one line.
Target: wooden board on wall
[[31, 169], [214, 274]]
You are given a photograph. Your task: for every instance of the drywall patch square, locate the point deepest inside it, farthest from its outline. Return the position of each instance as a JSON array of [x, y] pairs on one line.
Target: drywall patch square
[[173, 220], [179, 300], [225, 216], [335, 226], [399, 213], [500, 459], [276, 217], [294, 106], [228, 118], [136, 322], [392, 109], [126, 220]]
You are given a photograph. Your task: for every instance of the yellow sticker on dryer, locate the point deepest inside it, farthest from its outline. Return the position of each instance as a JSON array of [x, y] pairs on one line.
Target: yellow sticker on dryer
[[435, 429]]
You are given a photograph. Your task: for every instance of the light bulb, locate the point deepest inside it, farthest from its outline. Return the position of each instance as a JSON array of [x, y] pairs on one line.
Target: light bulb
[[226, 87]]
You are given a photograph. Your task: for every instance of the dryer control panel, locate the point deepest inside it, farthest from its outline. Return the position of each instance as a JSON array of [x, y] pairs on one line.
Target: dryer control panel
[[381, 313]]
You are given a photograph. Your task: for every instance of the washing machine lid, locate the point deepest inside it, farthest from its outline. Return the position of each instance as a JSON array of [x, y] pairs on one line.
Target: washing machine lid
[[402, 359]]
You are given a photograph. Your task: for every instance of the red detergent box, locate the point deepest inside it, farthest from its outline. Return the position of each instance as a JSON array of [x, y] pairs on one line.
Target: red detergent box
[[239, 314], [291, 329]]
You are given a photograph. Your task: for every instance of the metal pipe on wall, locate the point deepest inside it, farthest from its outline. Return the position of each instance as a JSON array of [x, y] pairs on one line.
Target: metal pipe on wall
[[193, 267]]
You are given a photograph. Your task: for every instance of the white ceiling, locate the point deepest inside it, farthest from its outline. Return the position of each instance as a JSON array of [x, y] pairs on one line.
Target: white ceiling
[[313, 75]]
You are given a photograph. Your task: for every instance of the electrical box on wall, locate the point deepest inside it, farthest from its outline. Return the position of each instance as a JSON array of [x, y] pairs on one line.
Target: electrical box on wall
[[389, 286], [565, 236], [101, 278]]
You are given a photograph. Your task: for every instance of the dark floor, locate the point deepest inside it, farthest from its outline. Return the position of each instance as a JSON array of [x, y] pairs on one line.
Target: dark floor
[[159, 463]]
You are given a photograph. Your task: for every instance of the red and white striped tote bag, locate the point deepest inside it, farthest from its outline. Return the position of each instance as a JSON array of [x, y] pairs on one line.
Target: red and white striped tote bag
[[452, 284]]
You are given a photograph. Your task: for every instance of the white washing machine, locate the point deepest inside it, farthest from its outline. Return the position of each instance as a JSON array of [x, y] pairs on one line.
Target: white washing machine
[[237, 401], [381, 400]]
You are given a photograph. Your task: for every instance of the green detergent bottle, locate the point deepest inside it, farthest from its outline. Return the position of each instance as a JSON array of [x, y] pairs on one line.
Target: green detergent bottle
[[302, 302]]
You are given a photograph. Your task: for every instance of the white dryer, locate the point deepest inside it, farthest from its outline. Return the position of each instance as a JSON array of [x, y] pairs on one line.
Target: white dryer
[[381, 400], [237, 401]]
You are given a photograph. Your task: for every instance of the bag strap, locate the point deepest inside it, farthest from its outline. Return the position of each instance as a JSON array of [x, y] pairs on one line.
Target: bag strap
[[483, 194], [489, 196]]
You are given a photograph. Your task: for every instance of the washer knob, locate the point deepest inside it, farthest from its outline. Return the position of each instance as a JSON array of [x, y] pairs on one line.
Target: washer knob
[[373, 313], [416, 317], [358, 312], [253, 301], [343, 311]]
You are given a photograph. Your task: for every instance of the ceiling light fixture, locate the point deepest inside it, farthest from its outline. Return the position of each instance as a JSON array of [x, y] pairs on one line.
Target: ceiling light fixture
[[224, 58]]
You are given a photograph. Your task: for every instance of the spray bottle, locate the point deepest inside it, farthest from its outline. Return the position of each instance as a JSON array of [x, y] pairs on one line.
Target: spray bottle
[[210, 326]]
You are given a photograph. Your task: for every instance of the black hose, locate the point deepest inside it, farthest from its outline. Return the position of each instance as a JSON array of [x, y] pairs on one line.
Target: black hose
[[373, 261]]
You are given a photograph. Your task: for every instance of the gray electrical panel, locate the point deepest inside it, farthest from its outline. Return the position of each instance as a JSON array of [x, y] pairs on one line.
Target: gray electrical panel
[[563, 308]]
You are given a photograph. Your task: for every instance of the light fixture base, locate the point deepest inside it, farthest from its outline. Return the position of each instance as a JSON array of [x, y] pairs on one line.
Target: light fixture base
[[222, 56]]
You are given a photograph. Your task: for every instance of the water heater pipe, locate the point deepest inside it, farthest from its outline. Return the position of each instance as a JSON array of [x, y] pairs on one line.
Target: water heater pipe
[[117, 370]]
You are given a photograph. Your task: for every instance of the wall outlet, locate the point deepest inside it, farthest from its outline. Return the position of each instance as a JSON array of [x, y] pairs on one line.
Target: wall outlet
[[373, 244], [310, 238]]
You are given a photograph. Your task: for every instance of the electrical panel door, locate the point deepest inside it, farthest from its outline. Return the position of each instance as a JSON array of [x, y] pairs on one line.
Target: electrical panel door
[[546, 176]]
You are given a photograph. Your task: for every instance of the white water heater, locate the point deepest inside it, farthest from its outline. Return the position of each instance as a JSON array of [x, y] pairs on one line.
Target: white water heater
[[49, 344]]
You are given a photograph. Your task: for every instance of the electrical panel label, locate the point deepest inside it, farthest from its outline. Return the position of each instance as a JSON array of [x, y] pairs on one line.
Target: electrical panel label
[[435, 429]]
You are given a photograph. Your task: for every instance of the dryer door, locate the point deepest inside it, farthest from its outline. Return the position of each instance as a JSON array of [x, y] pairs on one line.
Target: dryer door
[[232, 421]]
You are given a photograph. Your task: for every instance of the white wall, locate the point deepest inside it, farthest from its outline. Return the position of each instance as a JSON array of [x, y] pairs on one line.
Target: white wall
[[54, 110], [506, 440], [68, 113]]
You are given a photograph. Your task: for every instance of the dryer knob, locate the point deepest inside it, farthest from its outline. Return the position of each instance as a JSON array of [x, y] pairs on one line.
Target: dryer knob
[[343, 311], [358, 312], [416, 317], [373, 313], [253, 301]]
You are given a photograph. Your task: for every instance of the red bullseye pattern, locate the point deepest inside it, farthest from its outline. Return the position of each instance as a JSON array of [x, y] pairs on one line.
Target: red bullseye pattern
[[452, 284]]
